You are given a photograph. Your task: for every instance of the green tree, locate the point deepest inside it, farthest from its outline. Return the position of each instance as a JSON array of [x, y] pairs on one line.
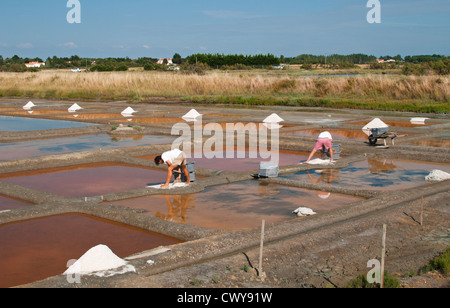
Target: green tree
[[177, 58]]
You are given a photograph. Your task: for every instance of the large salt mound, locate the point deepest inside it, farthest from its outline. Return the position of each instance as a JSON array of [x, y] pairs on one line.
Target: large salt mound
[[437, 176], [97, 259]]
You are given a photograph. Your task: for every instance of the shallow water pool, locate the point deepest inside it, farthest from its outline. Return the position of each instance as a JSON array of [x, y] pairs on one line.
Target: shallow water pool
[[22, 124], [237, 206], [36, 249], [87, 180], [57, 146], [376, 174]]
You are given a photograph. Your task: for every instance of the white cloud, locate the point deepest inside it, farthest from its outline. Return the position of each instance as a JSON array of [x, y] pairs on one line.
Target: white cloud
[[25, 45], [146, 46], [70, 45]]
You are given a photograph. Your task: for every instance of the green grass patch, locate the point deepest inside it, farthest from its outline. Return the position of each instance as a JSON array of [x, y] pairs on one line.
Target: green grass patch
[[361, 282], [328, 102], [440, 264]]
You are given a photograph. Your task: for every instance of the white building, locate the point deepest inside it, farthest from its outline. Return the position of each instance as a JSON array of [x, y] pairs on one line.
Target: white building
[[161, 61], [35, 64]]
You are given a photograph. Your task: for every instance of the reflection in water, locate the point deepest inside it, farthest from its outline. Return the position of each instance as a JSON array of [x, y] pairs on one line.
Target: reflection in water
[[380, 166], [326, 176], [380, 174], [236, 206], [177, 206]]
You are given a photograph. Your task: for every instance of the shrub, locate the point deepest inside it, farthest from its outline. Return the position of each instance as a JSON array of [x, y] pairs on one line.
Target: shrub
[[121, 68], [284, 85], [195, 68], [441, 263], [390, 282]]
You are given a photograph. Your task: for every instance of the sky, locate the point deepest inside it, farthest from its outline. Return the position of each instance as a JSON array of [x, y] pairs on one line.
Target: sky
[[159, 29]]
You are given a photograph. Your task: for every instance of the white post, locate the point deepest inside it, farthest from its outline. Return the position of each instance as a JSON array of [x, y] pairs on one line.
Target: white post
[[261, 249], [383, 253]]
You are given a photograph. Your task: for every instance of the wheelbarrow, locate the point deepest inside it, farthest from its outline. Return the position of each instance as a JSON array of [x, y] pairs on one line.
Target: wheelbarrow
[[377, 129]]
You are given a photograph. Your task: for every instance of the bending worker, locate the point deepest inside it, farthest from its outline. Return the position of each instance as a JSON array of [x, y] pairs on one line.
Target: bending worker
[[324, 141], [174, 159]]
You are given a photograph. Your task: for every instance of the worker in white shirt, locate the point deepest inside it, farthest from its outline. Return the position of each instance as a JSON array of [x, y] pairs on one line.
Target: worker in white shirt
[[323, 141], [174, 159]]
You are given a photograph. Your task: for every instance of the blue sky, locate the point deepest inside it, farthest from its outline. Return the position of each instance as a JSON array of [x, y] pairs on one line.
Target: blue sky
[[139, 28]]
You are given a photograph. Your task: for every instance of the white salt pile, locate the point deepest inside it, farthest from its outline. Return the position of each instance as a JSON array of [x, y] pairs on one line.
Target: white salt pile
[[273, 118], [99, 261], [418, 120], [74, 108], [128, 112], [192, 115], [173, 185], [29, 105], [318, 161], [437, 176], [304, 211]]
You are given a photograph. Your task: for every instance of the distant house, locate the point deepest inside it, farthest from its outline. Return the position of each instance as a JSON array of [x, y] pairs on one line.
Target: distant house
[[161, 61], [385, 61], [34, 64]]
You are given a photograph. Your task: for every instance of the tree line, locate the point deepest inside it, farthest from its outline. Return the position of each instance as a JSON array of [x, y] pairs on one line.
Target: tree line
[[411, 65], [220, 60]]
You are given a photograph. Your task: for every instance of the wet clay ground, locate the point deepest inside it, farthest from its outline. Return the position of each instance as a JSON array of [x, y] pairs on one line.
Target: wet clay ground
[[325, 250]]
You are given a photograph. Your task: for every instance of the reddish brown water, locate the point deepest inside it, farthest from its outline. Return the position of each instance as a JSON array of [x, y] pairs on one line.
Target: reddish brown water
[[8, 203], [149, 120], [36, 249], [237, 206], [432, 142], [338, 134], [88, 179]]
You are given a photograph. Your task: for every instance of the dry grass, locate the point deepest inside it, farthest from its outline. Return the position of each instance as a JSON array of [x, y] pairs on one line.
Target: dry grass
[[147, 85]]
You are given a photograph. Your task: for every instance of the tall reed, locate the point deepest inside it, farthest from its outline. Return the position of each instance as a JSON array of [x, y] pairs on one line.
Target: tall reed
[[147, 85]]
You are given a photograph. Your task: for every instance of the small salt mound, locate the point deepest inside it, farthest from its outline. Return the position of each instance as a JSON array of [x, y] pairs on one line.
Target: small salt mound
[[304, 211], [318, 161], [273, 118], [96, 260], [74, 107], [173, 185], [437, 176], [191, 115]]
